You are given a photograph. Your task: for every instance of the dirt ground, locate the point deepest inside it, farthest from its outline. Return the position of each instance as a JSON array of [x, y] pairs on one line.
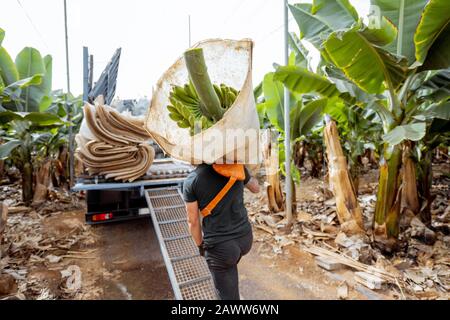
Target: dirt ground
[[293, 276], [52, 254], [128, 265]]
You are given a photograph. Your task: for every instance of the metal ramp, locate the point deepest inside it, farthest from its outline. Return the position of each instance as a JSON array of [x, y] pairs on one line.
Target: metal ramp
[[188, 271]]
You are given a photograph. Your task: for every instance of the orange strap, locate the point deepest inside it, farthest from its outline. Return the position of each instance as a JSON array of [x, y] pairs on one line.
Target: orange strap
[[206, 211]]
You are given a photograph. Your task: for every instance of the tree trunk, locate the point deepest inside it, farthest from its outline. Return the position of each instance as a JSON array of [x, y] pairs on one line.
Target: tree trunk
[[387, 208], [294, 198], [2, 169], [355, 171], [43, 182], [299, 154], [409, 189], [274, 192], [27, 183], [60, 168], [78, 167], [347, 206], [3, 218], [426, 179], [271, 164]]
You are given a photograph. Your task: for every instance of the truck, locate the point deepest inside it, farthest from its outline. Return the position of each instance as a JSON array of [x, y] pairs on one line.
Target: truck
[[110, 201]]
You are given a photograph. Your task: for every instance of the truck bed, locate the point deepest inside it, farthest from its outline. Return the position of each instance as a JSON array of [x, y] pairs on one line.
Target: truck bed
[[162, 172], [109, 201]]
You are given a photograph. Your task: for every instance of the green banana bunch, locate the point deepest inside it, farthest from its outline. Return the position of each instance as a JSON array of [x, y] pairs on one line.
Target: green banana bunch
[[187, 110]]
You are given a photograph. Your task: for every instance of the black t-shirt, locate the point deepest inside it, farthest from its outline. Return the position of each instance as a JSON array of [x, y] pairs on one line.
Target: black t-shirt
[[228, 220]]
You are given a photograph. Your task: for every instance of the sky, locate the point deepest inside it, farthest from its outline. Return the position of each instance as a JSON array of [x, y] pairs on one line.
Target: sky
[[151, 33]]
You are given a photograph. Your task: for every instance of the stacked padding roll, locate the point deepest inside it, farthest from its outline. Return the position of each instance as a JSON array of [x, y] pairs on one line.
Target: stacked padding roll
[[113, 145]]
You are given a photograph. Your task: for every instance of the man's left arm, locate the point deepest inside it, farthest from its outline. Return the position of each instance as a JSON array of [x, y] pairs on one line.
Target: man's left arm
[[192, 210]]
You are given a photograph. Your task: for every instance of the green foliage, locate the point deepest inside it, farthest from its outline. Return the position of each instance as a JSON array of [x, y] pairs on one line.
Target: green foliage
[[337, 14], [27, 81], [33, 119], [408, 17], [312, 28], [378, 81], [352, 53], [7, 148], [412, 131], [11, 94], [432, 36], [29, 62], [301, 80]]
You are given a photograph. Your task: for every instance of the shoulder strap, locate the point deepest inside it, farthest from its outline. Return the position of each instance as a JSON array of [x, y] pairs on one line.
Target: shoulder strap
[[206, 211]]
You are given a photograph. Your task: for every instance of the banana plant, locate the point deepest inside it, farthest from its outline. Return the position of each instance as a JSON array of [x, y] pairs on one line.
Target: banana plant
[[360, 131], [431, 92], [22, 135], [28, 78], [305, 113], [11, 94], [381, 60]]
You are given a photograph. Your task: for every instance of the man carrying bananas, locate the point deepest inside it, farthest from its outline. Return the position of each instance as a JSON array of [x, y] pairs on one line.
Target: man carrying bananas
[[216, 192]]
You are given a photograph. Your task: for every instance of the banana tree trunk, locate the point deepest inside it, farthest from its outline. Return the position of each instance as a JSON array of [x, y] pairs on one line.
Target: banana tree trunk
[[355, 171], [347, 206], [274, 194], [387, 208], [60, 168], [2, 168], [271, 163], [299, 154], [294, 197], [409, 190], [43, 182], [316, 166], [426, 178], [274, 191], [3, 218], [27, 183]]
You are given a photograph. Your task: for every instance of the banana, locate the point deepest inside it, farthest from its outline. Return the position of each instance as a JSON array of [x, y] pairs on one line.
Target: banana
[[186, 109]]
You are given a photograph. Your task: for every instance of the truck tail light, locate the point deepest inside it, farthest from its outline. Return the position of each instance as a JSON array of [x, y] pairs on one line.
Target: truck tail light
[[102, 216]]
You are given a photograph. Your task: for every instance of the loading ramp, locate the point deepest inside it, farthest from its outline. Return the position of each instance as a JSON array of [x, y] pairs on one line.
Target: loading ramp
[[188, 271]]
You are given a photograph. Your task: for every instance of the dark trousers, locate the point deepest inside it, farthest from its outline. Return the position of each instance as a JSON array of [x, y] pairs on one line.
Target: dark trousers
[[223, 259]]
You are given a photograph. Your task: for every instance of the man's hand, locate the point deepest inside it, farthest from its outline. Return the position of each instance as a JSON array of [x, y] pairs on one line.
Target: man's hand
[[195, 227], [253, 185]]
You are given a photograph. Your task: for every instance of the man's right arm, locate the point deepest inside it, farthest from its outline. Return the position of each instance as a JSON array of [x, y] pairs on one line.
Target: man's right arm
[[253, 185], [250, 182]]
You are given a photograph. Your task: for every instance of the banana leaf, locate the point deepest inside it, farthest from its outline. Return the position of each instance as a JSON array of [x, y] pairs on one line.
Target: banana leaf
[[312, 28], [405, 14], [339, 14], [371, 68], [8, 70], [300, 80], [432, 38], [8, 147], [29, 62]]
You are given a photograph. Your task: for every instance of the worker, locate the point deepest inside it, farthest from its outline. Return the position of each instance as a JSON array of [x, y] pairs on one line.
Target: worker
[[224, 235]]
